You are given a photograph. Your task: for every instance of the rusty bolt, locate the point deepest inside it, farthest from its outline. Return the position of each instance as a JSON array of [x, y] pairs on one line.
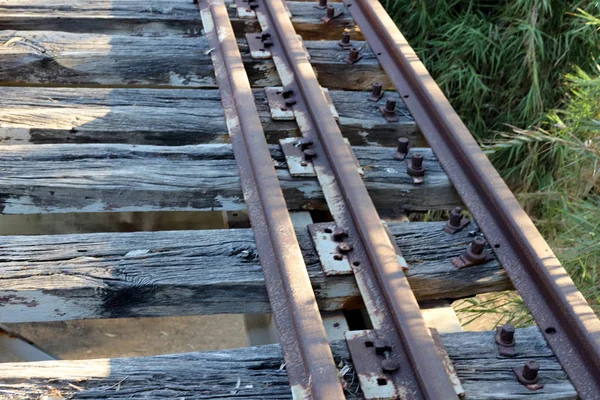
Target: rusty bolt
[[528, 373], [388, 365], [344, 247], [252, 4], [530, 370], [305, 144], [339, 234], [455, 217], [354, 55], [477, 245], [287, 93], [323, 3], [309, 154], [264, 36], [506, 335], [417, 161], [376, 91], [390, 104], [345, 41], [338, 257], [330, 12], [402, 149]]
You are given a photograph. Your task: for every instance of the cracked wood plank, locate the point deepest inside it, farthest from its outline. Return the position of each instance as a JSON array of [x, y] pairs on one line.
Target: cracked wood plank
[[152, 17], [256, 373], [62, 178], [59, 58], [171, 117], [168, 273]]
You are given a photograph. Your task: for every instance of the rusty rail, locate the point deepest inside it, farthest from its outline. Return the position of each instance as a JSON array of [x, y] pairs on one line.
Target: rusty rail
[[309, 361], [414, 364], [566, 320]]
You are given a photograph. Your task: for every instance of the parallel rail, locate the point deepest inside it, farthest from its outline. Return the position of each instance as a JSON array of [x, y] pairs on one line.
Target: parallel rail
[[309, 360], [559, 309]]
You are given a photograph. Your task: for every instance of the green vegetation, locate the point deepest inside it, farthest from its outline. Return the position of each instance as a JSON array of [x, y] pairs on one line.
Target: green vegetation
[[529, 67]]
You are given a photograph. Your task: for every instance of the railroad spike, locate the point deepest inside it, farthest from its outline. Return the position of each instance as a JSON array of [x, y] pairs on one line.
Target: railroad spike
[[345, 41], [473, 255], [505, 338], [354, 56], [376, 92], [415, 168], [388, 111], [528, 374], [456, 221], [402, 149]]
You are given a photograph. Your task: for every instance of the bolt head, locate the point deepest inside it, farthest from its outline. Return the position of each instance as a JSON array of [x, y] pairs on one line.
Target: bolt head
[[388, 365], [344, 247], [339, 234], [507, 334], [530, 370], [309, 154], [381, 347], [477, 245]]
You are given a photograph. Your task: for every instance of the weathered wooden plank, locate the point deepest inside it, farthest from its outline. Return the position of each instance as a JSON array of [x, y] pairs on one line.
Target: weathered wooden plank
[[256, 373], [144, 274], [170, 117], [61, 178], [59, 58], [151, 17]]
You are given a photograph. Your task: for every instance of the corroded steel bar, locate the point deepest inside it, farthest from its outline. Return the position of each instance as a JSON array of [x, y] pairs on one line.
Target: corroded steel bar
[[561, 312], [392, 306], [309, 361]]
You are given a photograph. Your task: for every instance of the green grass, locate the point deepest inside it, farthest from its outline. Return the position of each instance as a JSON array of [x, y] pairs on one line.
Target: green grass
[[524, 76]]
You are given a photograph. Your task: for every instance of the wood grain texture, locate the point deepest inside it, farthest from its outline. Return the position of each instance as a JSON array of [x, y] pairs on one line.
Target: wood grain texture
[[256, 373], [61, 178], [150, 17], [59, 58], [167, 273], [171, 117]]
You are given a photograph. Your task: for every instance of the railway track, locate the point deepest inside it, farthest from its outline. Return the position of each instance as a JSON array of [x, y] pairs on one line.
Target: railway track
[[143, 109]]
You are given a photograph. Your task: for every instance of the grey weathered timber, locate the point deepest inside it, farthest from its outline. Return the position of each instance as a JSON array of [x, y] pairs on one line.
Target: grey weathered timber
[[60, 178], [257, 373], [59, 58], [150, 17], [166, 273], [171, 117]]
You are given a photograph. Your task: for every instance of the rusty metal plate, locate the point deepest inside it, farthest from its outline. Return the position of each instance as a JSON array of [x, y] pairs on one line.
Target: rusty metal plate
[[297, 164], [244, 10], [257, 48], [333, 262]]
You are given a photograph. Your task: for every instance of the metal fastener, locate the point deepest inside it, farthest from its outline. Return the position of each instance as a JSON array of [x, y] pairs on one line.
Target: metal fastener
[[344, 247], [305, 144], [473, 255], [505, 338], [339, 234], [528, 373], [287, 93], [402, 149], [309, 154], [376, 92], [388, 365], [322, 4], [388, 111], [456, 221], [345, 40], [253, 4], [415, 168], [353, 56]]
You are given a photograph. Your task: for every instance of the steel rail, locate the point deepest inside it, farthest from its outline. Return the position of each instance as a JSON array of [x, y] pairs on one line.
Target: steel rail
[[561, 312], [391, 303], [308, 357]]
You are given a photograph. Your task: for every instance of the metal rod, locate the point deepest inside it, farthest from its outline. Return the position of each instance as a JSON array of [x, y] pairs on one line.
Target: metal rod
[[389, 299], [309, 361], [561, 312]]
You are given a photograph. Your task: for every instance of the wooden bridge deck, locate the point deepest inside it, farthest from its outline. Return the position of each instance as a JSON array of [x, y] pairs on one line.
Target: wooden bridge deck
[[110, 107]]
